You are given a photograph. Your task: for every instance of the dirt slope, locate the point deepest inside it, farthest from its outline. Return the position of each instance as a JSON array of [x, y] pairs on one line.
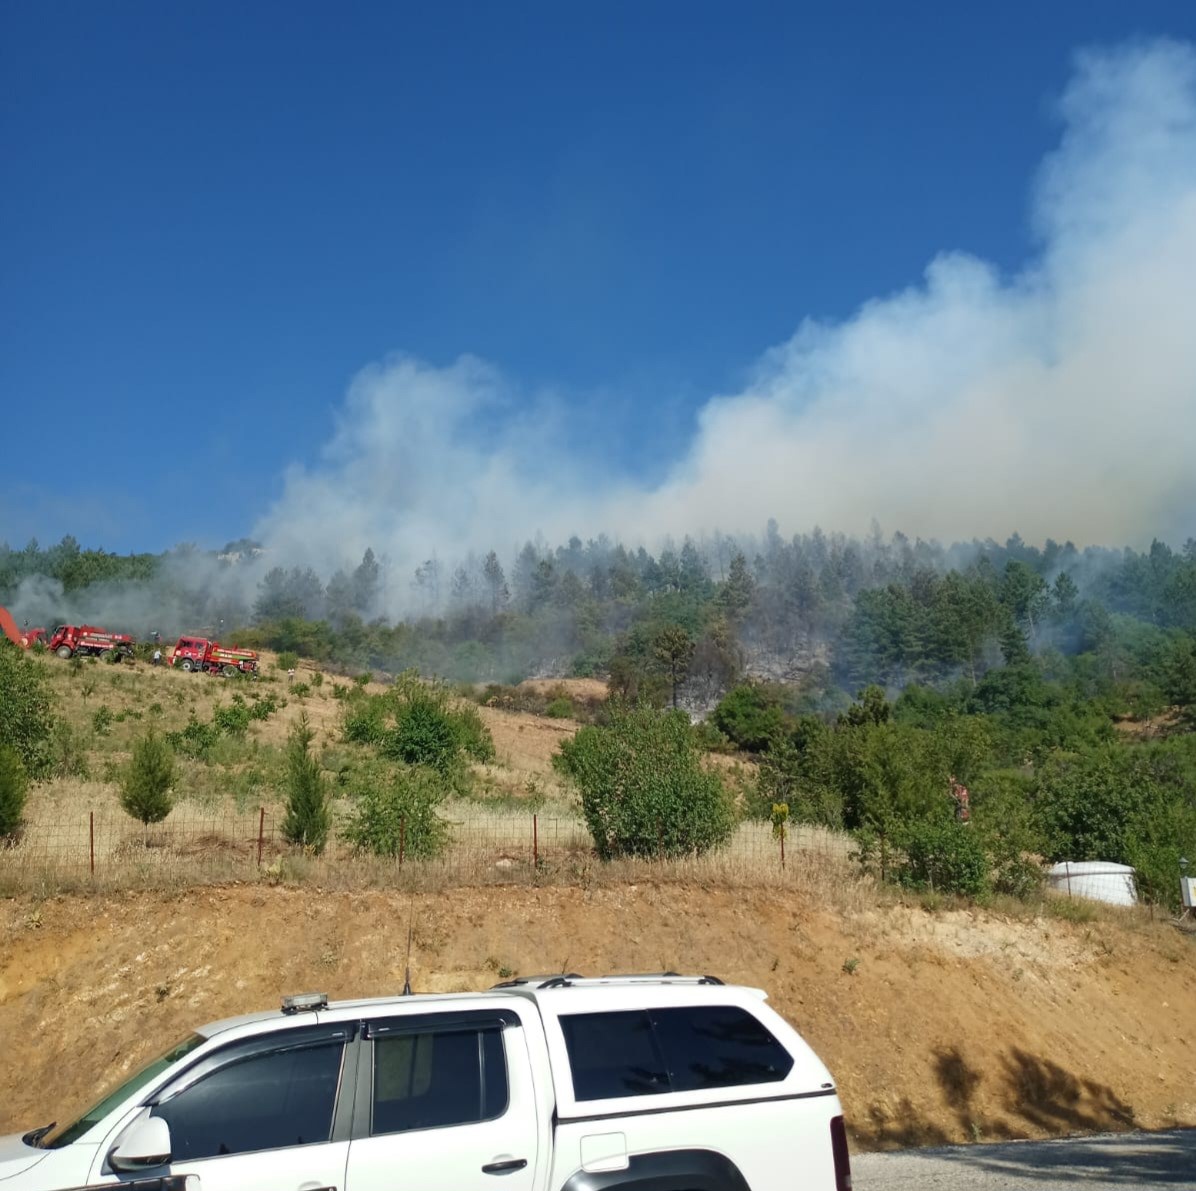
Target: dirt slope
[[957, 1025]]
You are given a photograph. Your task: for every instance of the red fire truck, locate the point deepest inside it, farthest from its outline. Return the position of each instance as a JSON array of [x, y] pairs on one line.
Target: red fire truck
[[198, 653], [86, 640]]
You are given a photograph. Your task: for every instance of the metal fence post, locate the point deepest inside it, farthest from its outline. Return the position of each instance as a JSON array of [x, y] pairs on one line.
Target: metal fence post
[[261, 833], [91, 831], [535, 841]]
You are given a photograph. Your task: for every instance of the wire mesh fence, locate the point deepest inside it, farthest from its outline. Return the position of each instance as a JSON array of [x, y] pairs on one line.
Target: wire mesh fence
[[106, 848]]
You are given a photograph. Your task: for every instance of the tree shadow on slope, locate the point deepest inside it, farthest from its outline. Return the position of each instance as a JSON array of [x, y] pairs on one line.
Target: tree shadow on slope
[[1144, 1160], [902, 1127], [1029, 1093], [1051, 1098]]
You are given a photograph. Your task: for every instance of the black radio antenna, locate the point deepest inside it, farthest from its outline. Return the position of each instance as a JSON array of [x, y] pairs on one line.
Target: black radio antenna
[[407, 960]]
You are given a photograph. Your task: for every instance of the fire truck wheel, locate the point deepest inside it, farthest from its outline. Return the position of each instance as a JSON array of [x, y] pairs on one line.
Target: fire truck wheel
[[105, 655], [229, 671], [187, 665], [63, 651]]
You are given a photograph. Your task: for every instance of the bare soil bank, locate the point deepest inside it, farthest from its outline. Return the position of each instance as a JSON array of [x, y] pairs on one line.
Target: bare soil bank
[[958, 1026]]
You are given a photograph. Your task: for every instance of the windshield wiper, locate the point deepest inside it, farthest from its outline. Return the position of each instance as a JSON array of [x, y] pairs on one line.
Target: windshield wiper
[[34, 1136]]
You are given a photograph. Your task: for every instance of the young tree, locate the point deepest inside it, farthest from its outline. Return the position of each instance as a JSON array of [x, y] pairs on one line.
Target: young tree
[[496, 583], [308, 818], [674, 648], [146, 785], [26, 710], [367, 583], [13, 786], [736, 594]]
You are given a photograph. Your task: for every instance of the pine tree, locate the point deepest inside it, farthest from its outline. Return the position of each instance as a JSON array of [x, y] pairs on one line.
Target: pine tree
[[146, 786], [307, 819]]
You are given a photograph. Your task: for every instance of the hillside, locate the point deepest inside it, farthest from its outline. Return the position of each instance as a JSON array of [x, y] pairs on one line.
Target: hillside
[[941, 1021], [957, 1025]]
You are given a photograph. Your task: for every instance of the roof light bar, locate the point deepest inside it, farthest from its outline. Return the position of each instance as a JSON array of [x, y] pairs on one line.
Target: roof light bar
[[305, 1001]]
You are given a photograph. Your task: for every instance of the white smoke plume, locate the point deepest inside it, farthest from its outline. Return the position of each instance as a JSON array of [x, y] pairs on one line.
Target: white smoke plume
[[1058, 401]]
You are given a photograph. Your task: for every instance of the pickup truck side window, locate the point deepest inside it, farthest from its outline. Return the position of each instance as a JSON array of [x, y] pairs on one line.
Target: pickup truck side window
[[438, 1077], [265, 1101], [684, 1049], [718, 1046]]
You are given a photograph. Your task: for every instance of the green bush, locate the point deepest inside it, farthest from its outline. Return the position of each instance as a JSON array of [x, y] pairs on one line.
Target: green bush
[[946, 857], [643, 789], [288, 660], [417, 723], [1130, 805], [148, 779], [559, 709], [101, 720], [750, 715], [263, 706], [14, 784], [69, 751], [710, 739], [233, 719], [364, 720], [396, 810], [473, 735], [26, 710], [196, 740], [424, 733], [308, 816]]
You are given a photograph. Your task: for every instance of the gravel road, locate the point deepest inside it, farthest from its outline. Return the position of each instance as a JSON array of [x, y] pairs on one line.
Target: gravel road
[[1147, 1161]]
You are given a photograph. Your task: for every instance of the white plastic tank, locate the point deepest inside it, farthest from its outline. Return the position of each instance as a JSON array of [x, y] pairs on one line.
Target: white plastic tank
[[1098, 880]]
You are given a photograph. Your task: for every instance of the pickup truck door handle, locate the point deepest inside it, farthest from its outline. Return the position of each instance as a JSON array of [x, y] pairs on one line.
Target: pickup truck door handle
[[504, 1166]]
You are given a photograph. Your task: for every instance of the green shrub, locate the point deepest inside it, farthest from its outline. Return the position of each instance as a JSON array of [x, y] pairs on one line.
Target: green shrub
[[101, 720], [68, 751], [14, 784], [263, 706], [148, 780], [1130, 805], [750, 715], [417, 723], [233, 719], [300, 690], [317, 679], [364, 718], [643, 789], [288, 660], [396, 811], [26, 710], [472, 734], [308, 814], [944, 856], [710, 739], [424, 733], [559, 709], [196, 740]]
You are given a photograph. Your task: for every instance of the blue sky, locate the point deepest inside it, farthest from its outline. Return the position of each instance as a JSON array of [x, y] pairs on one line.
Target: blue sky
[[214, 215]]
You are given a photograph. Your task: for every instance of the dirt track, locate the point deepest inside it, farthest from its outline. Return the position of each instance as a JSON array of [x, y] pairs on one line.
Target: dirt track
[[956, 1026]]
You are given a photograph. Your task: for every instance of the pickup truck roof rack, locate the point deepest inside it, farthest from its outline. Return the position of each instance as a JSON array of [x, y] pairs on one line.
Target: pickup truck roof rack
[[568, 979]]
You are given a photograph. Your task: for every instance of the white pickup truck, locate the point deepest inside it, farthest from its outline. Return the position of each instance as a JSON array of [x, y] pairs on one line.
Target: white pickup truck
[[624, 1083]]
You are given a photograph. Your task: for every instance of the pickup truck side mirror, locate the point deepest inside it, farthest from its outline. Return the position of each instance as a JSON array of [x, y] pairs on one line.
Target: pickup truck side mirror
[[145, 1144]]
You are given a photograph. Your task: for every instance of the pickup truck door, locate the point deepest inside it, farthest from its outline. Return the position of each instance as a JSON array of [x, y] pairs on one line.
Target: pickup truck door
[[445, 1103], [267, 1114]]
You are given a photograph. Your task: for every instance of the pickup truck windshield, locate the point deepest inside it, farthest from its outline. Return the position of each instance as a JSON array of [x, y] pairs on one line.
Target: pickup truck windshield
[[65, 1134]]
